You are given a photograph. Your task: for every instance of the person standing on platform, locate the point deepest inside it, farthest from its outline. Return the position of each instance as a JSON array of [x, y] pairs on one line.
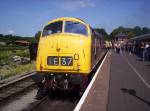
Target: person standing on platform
[[130, 48], [118, 48], [143, 50], [146, 51], [115, 46]]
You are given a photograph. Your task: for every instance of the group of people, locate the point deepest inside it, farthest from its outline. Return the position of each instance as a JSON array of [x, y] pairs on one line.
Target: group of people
[[141, 49], [117, 47]]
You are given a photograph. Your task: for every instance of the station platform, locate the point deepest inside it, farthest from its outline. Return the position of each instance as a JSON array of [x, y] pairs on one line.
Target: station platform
[[122, 83], [129, 88]]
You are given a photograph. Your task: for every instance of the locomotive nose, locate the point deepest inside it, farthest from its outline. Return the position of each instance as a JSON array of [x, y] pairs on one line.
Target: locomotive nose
[[58, 49], [67, 44], [65, 52]]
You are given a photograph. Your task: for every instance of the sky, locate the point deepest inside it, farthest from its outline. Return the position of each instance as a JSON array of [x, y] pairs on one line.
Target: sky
[[26, 17]]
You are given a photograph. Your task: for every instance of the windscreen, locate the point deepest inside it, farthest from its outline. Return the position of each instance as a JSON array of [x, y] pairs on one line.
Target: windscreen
[[75, 27], [53, 28]]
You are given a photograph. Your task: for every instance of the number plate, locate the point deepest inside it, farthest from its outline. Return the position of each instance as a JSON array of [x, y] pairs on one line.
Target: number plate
[[53, 60], [66, 61]]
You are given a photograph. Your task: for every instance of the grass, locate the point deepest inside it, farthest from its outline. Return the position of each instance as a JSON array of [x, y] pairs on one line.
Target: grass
[[9, 68], [5, 55], [15, 70], [12, 47]]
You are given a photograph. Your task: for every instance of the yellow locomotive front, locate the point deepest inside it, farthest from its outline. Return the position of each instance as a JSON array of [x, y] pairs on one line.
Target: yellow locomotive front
[[65, 47], [68, 50], [64, 56]]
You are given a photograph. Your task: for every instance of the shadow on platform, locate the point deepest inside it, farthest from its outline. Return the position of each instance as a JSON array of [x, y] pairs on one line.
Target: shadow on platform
[[139, 59], [133, 93], [148, 65]]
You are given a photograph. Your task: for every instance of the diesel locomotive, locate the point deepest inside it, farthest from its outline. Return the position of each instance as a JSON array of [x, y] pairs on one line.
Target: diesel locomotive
[[68, 51]]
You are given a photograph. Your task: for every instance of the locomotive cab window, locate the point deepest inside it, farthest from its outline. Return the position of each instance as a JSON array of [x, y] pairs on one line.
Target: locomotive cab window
[[75, 27], [53, 28]]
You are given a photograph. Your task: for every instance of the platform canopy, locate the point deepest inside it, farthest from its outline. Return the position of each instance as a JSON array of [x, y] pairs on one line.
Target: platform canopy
[[145, 37]]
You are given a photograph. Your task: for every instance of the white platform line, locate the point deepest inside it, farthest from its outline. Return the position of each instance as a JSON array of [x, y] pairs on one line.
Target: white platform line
[[80, 103], [138, 74]]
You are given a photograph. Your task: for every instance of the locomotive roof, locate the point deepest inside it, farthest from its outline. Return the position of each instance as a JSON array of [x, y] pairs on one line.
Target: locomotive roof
[[67, 18]]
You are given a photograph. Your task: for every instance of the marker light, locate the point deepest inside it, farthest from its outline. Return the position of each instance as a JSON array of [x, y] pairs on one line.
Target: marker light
[[76, 57]]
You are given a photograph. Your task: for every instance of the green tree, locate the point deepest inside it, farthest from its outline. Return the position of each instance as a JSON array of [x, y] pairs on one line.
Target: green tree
[[117, 31], [37, 35], [1, 35], [145, 30], [103, 32], [130, 32], [130, 35], [137, 31]]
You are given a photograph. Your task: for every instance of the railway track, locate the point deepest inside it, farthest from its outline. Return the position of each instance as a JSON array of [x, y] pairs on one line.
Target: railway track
[[16, 86], [53, 103]]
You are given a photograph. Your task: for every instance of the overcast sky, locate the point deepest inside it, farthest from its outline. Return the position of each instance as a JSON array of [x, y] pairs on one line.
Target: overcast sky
[[26, 17]]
